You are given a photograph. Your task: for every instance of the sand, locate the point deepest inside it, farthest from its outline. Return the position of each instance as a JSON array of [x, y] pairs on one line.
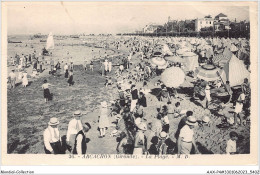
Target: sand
[[28, 114]]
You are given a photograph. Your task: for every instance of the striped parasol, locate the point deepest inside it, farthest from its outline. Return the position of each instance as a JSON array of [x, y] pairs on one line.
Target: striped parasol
[[173, 77], [208, 72]]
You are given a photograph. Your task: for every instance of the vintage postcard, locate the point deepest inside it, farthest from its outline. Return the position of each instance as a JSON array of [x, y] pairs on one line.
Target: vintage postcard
[[129, 83]]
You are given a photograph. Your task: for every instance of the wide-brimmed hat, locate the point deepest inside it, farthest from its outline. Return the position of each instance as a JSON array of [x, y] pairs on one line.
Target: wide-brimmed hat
[[206, 119], [163, 135], [77, 113], [53, 121], [142, 126], [104, 104], [191, 121]]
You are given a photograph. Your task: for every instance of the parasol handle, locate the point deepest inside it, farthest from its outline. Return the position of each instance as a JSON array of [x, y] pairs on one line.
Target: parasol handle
[[222, 82]]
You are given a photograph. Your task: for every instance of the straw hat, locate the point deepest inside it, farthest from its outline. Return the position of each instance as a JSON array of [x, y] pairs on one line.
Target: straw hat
[[78, 113], [163, 135], [191, 121], [142, 126], [206, 119], [53, 121], [104, 104]]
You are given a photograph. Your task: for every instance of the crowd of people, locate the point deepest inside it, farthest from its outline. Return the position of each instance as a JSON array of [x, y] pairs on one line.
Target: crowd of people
[[126, 75]]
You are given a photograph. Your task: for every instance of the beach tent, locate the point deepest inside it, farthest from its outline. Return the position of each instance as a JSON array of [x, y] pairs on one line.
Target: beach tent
[[235, 71], [50, 42], [166, 50], [191, 61]]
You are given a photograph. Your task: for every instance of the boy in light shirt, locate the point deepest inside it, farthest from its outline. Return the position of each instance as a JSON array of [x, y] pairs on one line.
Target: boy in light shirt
[[232, 143]]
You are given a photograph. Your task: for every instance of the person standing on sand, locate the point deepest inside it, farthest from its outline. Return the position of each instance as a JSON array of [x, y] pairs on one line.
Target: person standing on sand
[[186, 139], [232, 143], [52, 64], [70, 80], [81, 141], [134, 93], [75, 125], [51, 137], [110, 66], [71, 66], [91, 66], [106, 66], [85, 64], [140, 139], [239, 108], [25, 79], [207, 96], [46, 92], [103, 123], [66, 70], [12, 77]]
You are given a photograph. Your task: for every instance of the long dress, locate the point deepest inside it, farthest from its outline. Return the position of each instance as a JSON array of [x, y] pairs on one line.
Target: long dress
[[46, 91], [70, 81], [103, 120], [25, 80]]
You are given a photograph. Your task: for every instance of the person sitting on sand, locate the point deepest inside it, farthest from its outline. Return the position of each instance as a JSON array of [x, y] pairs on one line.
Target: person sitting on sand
[[81, 141], [70, 80], [51, 137], [138, 111], [162, 147], [46, 92], [165, 122], [108, 82], [232, 143]]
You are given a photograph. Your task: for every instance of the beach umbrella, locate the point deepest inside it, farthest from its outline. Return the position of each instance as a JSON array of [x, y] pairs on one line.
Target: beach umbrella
[[158, 61], [173, 77], [208, 72]]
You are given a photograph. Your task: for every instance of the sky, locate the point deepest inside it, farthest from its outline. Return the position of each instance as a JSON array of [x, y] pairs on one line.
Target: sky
[[106, 17]]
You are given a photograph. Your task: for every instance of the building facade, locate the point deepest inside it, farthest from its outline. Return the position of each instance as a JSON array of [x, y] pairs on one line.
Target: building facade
[[205, 22]]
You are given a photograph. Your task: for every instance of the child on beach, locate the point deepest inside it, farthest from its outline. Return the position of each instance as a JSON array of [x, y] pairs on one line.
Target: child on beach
[[232, 143], [108, 82], [25, 79], [70, 80], [103, 119], [46, 92]]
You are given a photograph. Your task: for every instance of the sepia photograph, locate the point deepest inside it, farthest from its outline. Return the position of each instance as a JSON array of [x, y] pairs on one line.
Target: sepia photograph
[[129, 80]]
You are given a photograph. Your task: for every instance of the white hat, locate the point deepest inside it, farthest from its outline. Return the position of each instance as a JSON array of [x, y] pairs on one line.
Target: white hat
[[142, 126], [191, 121], [77, 113], [53, 121], [163, 135], [206, 119]]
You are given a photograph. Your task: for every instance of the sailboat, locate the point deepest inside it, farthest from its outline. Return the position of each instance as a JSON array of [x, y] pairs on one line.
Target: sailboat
[[50, 42]]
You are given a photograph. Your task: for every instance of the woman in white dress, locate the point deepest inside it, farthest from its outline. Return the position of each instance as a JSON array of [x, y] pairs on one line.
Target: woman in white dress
[[103, 119], [25, 79]]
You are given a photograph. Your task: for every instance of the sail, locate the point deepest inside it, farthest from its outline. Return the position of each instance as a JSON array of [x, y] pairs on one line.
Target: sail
[[50, 42]]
